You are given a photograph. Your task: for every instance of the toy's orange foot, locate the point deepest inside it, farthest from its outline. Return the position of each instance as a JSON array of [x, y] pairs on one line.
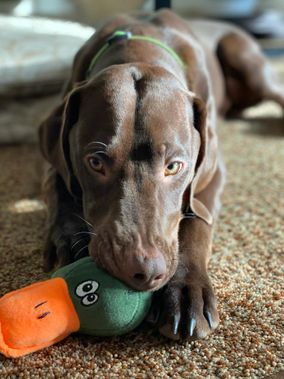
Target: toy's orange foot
[[35, 317]]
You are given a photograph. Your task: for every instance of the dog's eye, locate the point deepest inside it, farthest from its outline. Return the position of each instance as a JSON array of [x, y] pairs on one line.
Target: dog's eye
[[173, 168], [87, 287], [96, 164]]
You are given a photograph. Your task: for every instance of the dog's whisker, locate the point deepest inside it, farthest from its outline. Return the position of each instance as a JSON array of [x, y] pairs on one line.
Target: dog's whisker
[[91, 233], [87, 222], [78, 252], [76, 243], [85, 232], [101, 152], [76, 234], [98, 143]]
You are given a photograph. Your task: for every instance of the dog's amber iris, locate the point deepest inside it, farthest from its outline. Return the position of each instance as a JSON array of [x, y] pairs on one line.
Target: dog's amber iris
[[173, 168]]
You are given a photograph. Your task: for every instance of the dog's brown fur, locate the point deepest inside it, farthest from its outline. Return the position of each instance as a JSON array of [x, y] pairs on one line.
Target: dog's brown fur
[[147, 110]]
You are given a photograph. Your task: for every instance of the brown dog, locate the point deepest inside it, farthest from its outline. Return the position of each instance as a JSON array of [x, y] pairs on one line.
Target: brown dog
[[135, 174]]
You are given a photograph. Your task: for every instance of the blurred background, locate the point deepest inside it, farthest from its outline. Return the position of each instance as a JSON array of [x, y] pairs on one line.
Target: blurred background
[[263, 17], [39, 38]]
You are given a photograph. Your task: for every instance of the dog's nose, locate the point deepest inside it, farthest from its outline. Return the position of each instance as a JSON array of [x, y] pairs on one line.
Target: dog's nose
[[147, 271]]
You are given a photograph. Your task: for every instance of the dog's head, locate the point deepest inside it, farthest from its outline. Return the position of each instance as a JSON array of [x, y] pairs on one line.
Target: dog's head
[[131, 139]]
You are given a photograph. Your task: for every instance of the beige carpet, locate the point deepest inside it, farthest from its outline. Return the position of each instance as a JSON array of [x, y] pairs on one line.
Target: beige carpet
[[246, 268]]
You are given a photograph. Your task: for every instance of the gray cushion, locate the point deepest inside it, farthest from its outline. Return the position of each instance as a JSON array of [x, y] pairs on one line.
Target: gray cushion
[[36, 53]]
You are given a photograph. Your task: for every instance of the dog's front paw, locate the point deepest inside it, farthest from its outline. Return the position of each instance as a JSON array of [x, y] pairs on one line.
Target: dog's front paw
[[186, 308]]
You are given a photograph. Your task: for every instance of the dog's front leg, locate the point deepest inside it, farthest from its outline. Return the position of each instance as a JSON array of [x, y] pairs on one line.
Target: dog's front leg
[[68, 234], [188, 303]]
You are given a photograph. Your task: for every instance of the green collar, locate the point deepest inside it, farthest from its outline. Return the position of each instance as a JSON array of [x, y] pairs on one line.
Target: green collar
[[126, 35]]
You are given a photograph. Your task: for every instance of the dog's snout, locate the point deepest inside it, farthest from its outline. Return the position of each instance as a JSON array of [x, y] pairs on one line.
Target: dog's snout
[[147, 269]]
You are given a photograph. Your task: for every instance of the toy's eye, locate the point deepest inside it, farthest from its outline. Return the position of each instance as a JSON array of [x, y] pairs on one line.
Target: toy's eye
[[173, 168], [89, 299], [89, 286]]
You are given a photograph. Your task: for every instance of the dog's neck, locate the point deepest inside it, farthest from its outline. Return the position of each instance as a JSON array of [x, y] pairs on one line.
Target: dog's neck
[[121, 35], [166, 56]]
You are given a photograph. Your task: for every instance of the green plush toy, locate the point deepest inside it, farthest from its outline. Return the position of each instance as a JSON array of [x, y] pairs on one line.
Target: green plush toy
[[79, 297]]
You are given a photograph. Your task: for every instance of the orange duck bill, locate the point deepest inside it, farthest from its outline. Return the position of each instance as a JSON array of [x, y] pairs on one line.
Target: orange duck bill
[[35, 317]]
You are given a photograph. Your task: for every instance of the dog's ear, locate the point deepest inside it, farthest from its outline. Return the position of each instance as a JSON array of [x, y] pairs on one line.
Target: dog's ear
[[201, 125], [54, 132]]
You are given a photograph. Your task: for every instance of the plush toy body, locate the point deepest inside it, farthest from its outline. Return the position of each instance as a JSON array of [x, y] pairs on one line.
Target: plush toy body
[[79, 297]]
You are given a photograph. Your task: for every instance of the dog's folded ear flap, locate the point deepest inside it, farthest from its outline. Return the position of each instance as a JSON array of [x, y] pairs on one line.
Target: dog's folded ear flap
[[198, 183], [53, 136]]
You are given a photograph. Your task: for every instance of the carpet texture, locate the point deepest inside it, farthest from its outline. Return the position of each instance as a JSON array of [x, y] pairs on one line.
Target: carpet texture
[[246, 270]]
